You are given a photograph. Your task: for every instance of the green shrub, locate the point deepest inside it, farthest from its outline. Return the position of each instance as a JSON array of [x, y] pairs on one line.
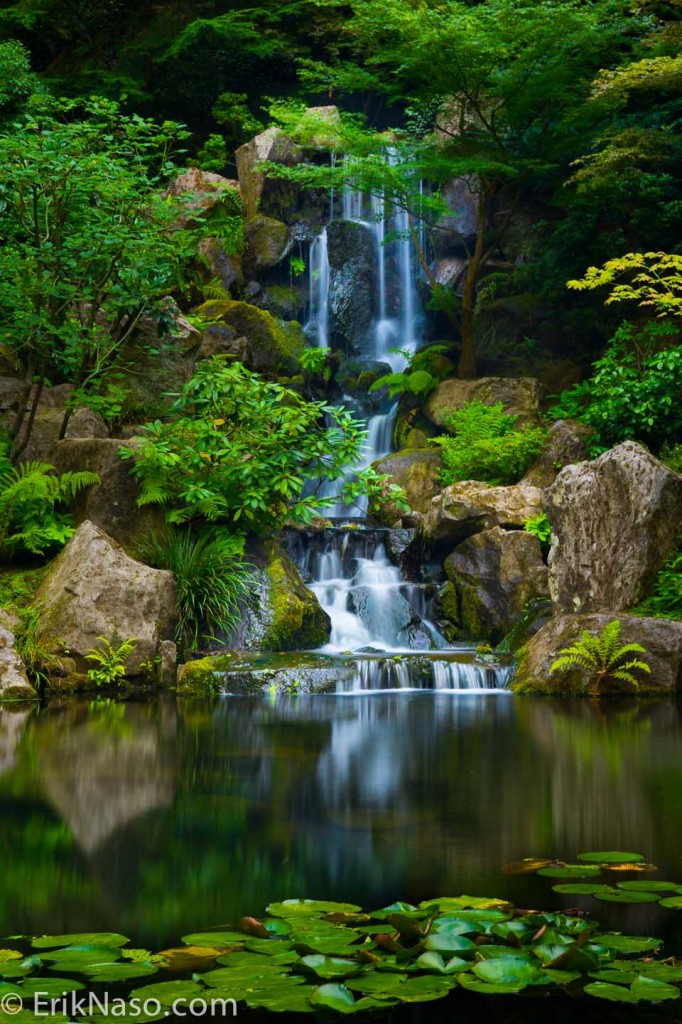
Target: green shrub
[[665, 599], [33, 500], [486, 445], [110, 661], [671, 455], [540, 527], [210, 576], [603, 657], [424, 372], [634, 392]]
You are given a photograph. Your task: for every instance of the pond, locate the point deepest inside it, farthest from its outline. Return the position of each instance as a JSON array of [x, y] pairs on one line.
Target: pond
[[161, 818]]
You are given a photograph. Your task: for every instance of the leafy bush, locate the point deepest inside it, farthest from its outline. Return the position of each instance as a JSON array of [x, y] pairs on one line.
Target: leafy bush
[[671, 455], [424, 372], [211, 579], [32, 496], [315, 361], [39, 654], [540, 527], [665, 599], [242, 450], [110, 659], [634, 391], [487, 445], [603, 657]]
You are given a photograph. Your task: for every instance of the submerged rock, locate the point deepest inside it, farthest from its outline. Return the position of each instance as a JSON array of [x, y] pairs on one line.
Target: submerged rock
[[470, 506], [520, 397], [282, 614], [14, 684], [261, 342], [614, 521], [92, 589], [491, 578], [661, 639], [230, 673]]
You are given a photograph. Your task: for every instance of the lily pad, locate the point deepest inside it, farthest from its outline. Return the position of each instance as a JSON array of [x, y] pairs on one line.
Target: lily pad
[[614, 993], [671, 902], [505, 971], [435, 962], [122, 972], [215, 939], [329, 966], [484, 988], [581, 888], [614, 976], [610, 857], [333, 997], [310, 908], [293, 1000], [629, 943], [648, 885], [661, 972], [570, 871], [167, 992], [653, 991], [622, 896], [52, 988], [99, 939], [568, 958], [445, 943]]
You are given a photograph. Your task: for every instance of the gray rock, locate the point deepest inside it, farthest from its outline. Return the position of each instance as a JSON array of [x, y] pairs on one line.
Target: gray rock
[[84, 423], [351, 283], [416, 471], [492, 576], [270, 196], [470, 506], [267, 242], [614, 521], [567, 443], [520, 397], [203, 191], [226, 267], [14, 684], [457, 230], [95, 589], [661, 638]]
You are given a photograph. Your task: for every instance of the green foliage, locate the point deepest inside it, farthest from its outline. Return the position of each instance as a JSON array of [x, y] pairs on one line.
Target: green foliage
[[296, 265], [17, 81], [654, 281], [110, 659], [39, 654], [240, 450], [33, 501], [634, 391], [213, 155], [231, 110], [425, 371], [487, 445], [315, 361], [671, 455], [603, 656], [540, 527], [211, 578], [665, 599]]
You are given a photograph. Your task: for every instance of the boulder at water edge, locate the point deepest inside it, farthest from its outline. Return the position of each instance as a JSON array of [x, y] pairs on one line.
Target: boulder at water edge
[[471, 506], [95, 589], [14, 684], [661, 639], [520, 397], [614, 521], [491, 578], [416, 471]]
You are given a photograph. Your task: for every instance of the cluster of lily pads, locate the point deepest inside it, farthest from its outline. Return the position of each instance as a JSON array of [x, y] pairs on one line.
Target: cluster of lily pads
[[308, 956]]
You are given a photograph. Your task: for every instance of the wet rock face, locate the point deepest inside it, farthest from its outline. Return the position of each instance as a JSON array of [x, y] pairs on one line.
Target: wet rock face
[[14, 684], [95, 589], [520, 397], [661, 639], [456, 231], [351, 284], [614, 521], [468, 507], [491, 578], [282, 614]]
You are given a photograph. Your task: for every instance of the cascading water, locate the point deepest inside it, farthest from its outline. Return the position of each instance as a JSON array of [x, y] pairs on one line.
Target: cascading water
[[374, 610]]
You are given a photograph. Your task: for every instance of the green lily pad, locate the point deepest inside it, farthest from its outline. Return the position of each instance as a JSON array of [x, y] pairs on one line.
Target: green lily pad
[[570, 871], [614, 993], [333, 997], [629, 943], [425, 989], [671, 902], [376, 984], [269, 947], [651, 990], [310, 908], [556, 977], [99, 939], [122, 972], [330, 967], [581, 888], [52, 988], [435, 962], [569, 958], [167, 992], [485, 988], [19, 968], [617, 976], [495, 952], [622, 896], [505, 971], [215, 939], [293, 1000], [515, 931], [437, 943], [610, 857], [453, 904], [648, 885], [661, 972], [243, 974]]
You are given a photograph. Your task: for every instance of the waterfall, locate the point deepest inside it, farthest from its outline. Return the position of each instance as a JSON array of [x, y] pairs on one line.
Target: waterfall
[[318, 290]]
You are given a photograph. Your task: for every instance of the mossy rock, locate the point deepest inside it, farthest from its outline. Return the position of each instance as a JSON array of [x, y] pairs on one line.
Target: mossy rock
[[295, 619], [416, 471], [267, 242], [262, 342]]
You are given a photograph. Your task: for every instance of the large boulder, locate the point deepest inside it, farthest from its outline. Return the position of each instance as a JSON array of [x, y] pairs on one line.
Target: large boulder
[[111, 504], [455, 232], [281, 613], [471, 506], [661, 639], [225, 267], [271, 196], [14, 684], [520, 397], [614, 521], [267, 242], [416, 471], [201, 192], [351, 249], [95, 589], [261, 342], [567, 442], [491, 578]]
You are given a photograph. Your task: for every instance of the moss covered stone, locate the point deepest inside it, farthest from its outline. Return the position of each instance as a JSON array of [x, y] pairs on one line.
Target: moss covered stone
[[295, 620], [262, 342]]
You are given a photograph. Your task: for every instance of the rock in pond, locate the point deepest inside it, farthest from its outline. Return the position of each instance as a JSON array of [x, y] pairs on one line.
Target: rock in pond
[[281, 614], [93, 588], [14, 684], [520, 397], [661, 639], [249, 676], [491, 578], [470, 506], [614, 521]]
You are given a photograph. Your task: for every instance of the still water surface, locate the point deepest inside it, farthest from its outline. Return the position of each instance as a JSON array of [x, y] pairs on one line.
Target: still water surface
[[157, 819]]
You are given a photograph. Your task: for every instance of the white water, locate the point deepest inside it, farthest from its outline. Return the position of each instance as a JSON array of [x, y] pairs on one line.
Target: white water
[[317, 325]]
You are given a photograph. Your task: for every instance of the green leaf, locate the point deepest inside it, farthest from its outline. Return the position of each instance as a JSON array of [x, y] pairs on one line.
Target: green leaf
[[333, 997], [330, 967], [215, 939], [614, 993], [167, 992], [282, 1000], [310, 908], [653, 991], [581, 889], [98, 939], [648, 886], [671, 902], [121, 972], [484, 988], [435, 962], [623, 896], [570, 871], [629, 943], [446, 943], [611, 857], [505, 971]]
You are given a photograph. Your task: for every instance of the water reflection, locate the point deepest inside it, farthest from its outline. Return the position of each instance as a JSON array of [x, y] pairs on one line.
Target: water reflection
[[157, 818]]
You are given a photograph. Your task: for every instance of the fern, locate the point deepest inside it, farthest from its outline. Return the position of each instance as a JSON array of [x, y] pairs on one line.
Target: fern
[[215, 289], [602, 656], [110, 659]]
